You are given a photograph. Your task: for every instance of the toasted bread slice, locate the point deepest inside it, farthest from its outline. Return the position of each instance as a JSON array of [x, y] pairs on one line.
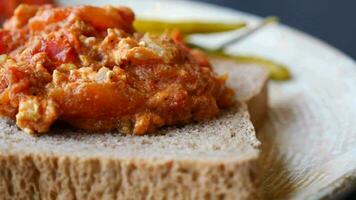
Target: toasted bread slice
[[216, 159]]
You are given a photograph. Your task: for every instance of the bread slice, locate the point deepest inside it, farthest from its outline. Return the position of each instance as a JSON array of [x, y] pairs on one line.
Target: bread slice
[[212, 160], [250, 82]]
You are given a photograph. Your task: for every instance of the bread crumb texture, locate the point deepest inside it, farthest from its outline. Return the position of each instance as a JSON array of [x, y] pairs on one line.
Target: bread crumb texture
[[49, 177]]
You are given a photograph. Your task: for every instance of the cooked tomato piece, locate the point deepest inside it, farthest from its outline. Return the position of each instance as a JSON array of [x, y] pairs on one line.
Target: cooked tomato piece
[[94, 100], [103, 19], [39, 22], [59, 50], [3, 45], [37, 2], [15, 75], [7, 7]]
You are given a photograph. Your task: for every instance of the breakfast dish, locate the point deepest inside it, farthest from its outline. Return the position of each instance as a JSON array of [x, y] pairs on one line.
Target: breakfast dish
[[213, 159], [86, 66], [307, 136]]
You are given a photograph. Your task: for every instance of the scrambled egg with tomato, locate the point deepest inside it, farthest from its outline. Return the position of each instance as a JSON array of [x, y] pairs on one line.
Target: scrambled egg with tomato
[[86, 66]]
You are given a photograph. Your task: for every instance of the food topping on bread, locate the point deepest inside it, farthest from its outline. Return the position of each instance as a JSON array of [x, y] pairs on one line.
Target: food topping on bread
[[7, 7], [88, 67]]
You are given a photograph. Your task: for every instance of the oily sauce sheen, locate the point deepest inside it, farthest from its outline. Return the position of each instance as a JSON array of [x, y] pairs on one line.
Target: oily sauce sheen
[[87, 66]]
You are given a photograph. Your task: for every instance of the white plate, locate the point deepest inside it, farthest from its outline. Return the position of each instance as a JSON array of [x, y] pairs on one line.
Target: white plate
[[309, 141]]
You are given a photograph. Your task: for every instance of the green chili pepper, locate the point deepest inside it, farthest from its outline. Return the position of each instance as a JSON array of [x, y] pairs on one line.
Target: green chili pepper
[[186, 27], [276, 70]]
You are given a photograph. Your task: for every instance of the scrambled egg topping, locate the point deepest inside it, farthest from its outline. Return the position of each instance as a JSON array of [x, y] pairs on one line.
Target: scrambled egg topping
[[86, 66]]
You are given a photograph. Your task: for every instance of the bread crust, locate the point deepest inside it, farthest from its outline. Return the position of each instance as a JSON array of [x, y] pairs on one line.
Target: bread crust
[[251, 84], [42, 176], [258, 107]]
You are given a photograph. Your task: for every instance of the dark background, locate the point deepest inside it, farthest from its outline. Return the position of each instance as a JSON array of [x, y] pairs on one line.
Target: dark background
[[333, 21]]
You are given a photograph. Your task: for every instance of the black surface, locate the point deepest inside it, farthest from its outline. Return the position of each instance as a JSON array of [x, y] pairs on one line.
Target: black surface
[[333, 21]]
